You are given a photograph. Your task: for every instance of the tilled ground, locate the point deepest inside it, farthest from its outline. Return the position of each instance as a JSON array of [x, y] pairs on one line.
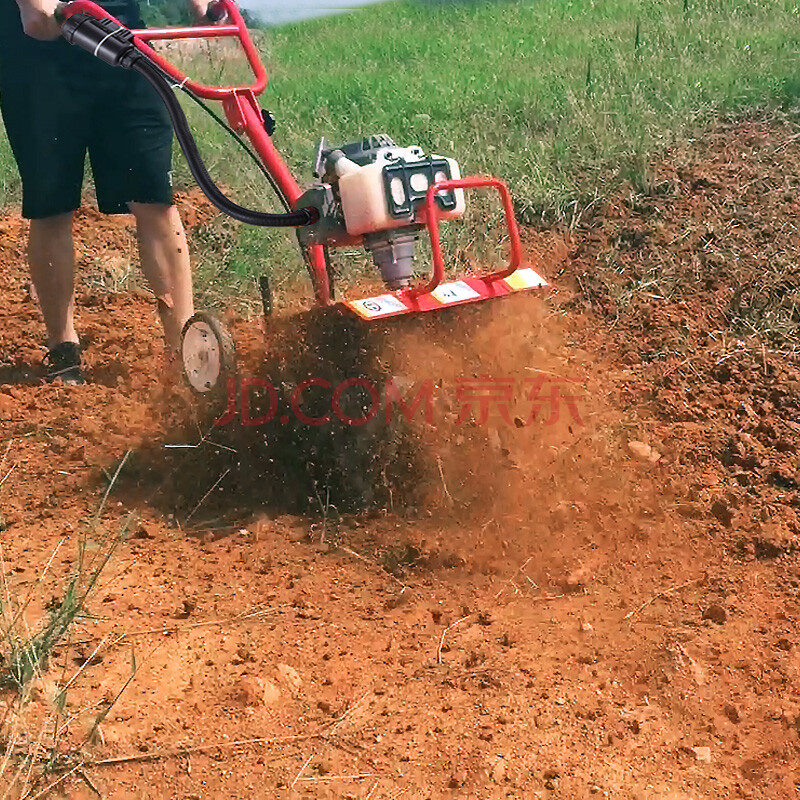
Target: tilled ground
[[599, 605]]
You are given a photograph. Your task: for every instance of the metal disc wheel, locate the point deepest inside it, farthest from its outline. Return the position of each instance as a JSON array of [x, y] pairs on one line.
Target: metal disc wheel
[[207, 354]]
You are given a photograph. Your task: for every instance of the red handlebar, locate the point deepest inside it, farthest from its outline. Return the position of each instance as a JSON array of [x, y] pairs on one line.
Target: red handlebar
[[238, 102], [237, 29]]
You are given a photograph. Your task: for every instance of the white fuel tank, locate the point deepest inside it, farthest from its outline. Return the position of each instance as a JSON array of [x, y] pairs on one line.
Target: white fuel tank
[[368, 206]]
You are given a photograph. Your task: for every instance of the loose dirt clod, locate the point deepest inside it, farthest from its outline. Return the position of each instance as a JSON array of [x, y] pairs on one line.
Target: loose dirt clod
[[702, 754], [644, 451], [715, 613]]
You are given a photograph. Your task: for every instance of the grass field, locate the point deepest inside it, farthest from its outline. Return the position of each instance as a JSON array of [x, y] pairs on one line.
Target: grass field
[[561, 98]]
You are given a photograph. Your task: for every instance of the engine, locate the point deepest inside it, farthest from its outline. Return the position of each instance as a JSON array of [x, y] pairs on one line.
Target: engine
[[372, 191]]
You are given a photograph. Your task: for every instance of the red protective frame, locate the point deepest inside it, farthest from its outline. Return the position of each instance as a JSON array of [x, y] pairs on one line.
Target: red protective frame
[[433, 215], [244, 116]]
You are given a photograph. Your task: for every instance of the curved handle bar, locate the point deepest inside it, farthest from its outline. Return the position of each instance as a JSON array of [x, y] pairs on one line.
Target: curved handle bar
[[237, 29]]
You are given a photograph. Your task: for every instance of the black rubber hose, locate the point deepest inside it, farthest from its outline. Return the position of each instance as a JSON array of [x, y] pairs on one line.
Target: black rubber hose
[[294, 219]]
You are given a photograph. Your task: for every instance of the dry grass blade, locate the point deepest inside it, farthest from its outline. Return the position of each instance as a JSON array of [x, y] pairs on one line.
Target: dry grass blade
[[111, 485], [662, 594], [159, 755], [5, 455], [510, 581], [205, 496], [302, 770], [50, 787], [358, 777], [346, 714], [86, 662], [444, 633], [88, 781], [444, 483], [29, 597], [5, 477], [203, 624], [372, 564], [83, 710], [9, 750]]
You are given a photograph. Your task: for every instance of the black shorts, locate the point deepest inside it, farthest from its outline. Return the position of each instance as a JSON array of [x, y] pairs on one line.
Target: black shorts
[[69, 103]]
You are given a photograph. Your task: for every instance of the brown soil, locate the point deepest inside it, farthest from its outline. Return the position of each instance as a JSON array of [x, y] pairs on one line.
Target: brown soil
[[545, 611]]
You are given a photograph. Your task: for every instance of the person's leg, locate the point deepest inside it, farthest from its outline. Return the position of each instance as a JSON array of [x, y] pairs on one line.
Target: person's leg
[[164, 254], [46, 121], [131, 155], [51, 261]]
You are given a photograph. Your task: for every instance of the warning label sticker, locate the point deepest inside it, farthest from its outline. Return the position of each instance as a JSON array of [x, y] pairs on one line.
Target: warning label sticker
[[525, 279], [381, 306], [455, 292]]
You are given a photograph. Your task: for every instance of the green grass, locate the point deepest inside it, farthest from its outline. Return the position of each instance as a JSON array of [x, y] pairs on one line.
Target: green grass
[[563, 99]]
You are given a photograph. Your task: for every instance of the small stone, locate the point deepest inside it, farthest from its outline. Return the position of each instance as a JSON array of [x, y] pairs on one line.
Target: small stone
[[690, 510], [753, 770], [720, 510], [324, 706], [732, 713], [577, 581], [587, 627], [248, 691], [702, 754], [188, 606], [715, 613], [290, 676], [498, 772], [271, 694], [454, 782], [143, 532], [644, 451], [59, 444]]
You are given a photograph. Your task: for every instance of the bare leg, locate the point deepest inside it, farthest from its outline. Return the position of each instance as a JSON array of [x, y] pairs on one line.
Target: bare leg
[[164, 254], [52, 264]]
